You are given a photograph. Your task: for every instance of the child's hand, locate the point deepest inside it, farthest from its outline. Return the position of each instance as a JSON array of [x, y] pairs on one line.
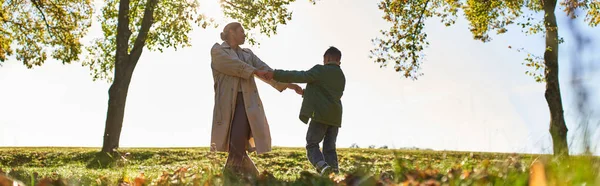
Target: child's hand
[[299, 91], [296, 88]]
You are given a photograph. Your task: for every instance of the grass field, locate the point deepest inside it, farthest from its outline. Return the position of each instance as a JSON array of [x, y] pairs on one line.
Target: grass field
[[288, 166]]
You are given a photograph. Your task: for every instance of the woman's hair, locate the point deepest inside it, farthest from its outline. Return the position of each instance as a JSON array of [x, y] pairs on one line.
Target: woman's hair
[[229, 27]]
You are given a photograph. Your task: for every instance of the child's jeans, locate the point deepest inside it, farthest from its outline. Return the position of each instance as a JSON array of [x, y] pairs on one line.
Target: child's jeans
[[316, 133]]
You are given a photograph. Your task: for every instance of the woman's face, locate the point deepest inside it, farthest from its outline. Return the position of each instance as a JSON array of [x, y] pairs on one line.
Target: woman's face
[[238, 36]]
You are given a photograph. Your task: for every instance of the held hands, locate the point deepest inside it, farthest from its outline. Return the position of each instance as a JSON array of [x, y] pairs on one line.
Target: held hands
[[268, 75], [260, 73], [265, 74]]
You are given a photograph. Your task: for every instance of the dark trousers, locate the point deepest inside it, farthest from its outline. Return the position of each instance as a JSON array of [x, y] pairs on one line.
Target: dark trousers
[[316, 133], [238, 159]]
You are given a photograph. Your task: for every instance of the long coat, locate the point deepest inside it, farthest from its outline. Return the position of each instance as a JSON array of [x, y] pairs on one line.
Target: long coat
[[230, 73]]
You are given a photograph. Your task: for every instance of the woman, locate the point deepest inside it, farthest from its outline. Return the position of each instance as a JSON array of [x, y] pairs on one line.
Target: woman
[[239, 121]]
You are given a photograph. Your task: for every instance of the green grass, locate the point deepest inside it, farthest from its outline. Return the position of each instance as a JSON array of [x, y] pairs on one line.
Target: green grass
[[288, 166]]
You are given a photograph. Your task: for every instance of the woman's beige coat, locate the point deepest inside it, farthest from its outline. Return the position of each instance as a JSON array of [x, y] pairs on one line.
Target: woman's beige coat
[[231, 73]]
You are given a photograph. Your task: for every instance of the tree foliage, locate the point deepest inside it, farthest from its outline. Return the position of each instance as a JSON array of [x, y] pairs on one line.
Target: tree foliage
[[403, 43], [58, 26], [171, 23], [263, 16], [33, 29]]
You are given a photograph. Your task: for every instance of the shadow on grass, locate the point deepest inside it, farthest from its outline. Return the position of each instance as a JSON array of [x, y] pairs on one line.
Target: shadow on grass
[[103, 160]]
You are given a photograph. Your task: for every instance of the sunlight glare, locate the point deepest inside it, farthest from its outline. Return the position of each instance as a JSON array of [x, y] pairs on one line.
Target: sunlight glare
[[212, 9]]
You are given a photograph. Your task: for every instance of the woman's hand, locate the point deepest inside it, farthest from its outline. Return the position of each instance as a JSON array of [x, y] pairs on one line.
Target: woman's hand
[[296, 88], [260, 73]]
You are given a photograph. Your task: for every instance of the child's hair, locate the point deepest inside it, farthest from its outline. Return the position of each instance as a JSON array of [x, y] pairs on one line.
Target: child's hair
[[333, 52]]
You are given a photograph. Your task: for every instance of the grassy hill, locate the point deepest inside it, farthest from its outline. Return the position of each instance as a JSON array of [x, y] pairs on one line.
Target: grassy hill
[[289, 166]]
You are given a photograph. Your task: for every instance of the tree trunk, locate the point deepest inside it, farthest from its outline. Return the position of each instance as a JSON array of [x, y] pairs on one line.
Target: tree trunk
[[117, 94], [117, 97], [558, 128], [124, 65]]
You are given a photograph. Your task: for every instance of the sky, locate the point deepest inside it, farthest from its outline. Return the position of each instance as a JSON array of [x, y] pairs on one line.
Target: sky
[[473, 96]]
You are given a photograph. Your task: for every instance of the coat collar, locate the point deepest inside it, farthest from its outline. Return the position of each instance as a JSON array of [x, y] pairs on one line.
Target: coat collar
[[225, 45], [332, 63]]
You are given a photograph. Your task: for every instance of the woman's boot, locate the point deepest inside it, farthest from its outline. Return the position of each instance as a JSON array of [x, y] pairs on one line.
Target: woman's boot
[[250, 167]]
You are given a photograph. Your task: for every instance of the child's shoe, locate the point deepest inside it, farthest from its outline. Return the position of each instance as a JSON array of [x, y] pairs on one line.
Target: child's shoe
[[327, 170]]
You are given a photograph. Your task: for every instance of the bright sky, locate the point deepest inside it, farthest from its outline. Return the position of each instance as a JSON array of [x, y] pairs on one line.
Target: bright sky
[[473, 97]]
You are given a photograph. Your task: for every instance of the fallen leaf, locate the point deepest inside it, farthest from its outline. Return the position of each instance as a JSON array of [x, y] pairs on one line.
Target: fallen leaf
[[537, 175], [140, 180], [465, 174]]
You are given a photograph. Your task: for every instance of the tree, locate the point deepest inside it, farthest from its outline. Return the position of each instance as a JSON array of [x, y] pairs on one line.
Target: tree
[[171, 22], [32, 29], [403, 43], [129, 26]]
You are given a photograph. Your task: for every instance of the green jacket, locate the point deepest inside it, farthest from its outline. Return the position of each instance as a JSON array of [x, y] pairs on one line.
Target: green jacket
[[323, 93]]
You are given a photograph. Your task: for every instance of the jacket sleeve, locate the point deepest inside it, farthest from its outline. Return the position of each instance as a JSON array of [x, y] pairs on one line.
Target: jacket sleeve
[[293, 76], [222, 62], [259, 64]]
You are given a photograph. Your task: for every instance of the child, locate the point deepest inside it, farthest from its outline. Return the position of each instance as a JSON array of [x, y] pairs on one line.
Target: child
[[321, 102]]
